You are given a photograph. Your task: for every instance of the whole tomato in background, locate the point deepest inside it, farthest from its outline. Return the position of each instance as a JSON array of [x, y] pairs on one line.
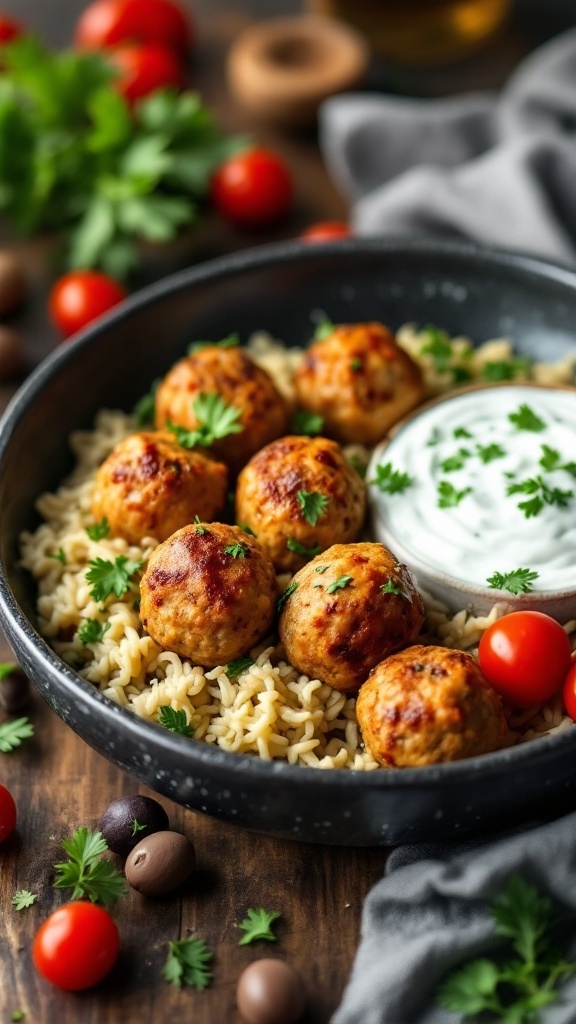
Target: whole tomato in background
[[81, 296], [107, 23], [253, 188], [525, 656], [77, 946], [146, 67], [7, 814]]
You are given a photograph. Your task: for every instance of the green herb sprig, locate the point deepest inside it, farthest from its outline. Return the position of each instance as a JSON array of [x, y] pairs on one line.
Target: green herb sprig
[[257, 925], [307, 423], [236, 668], [111, 577], [188, 963], [300, 549], [449, 496], [216, 419], [86, 872], [518, 581], [175, 721], [313, 505], [23, 898], [390, 480], [90, 631], [526, 419], [13, 732]]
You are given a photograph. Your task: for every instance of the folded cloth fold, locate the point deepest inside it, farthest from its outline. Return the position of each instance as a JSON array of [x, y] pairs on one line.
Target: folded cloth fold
[[497, 169], [431, 913]]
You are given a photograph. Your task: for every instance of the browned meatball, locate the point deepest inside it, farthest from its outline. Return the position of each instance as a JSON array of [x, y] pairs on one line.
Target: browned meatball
[[426, 705], [352, 606], [360, 381], [233, 375], [208, 593], [300, 491], [150, 486]]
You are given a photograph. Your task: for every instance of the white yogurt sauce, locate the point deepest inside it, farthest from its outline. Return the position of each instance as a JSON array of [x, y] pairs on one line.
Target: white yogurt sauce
[[485, 532]]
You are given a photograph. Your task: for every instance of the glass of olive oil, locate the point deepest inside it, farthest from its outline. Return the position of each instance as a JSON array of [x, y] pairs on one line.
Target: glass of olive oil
[[420, 32]]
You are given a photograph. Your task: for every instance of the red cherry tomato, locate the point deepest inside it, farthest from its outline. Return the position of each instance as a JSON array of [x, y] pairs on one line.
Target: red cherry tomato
[[569, 690], [145, 68], [525, 656], [7, 814], [109, 22], [325, 231], [10, 29], [76, 946], [80, 297], [253, 188]]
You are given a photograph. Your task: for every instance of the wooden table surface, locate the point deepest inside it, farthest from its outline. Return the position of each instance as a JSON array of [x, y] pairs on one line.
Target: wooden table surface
[[59, 783]]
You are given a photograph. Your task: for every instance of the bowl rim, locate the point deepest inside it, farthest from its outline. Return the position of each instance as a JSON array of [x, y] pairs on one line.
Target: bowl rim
[[22, 635]]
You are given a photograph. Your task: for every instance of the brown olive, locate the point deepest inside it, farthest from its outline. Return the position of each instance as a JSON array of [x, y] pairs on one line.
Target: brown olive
[[13, 285], [11, 353], [14, 691], [160, 863], [270, 992]]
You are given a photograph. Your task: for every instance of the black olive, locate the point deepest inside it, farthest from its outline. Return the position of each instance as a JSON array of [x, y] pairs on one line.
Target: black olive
[[129, 820]]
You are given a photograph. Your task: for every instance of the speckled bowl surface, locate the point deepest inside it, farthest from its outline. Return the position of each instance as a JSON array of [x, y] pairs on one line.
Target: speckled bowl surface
[[281, 289]]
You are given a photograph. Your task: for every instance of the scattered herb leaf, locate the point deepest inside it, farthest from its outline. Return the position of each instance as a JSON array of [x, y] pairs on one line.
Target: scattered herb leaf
[[59, 556], [506, 369], [526, 419], [18, 1015], [247, 529], [518, 581], [390, 480], [23, 898], [300, 549], [13, 732], [216, 419], [390, 587], [91, 631], [324, 328], [448, 496], [175, 721], [312, 505], [286, 594], [434, 439], [257, 925], [461, 432], [137, 827], [7, 668], [235, 668], [542, 493], [455, 462], [321, 568], [230, 341], [86, 873], [111, 577], [339, 584], [307, 423], [360, 465], [460, 374], [199, 526], [489, 452], [438, 347], [356, 364], [97, 531], [188, 964], [237, 550], [144, 409]]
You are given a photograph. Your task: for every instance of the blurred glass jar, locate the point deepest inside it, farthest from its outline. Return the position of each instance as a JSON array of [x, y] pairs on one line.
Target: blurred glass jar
[[420, 32]]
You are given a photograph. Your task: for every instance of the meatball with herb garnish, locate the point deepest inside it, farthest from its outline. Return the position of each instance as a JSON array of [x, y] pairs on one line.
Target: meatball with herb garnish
[[209, 593], [299, 495], [221, 400], [426, 705], [150, 486], [347, 610], [359, 380]]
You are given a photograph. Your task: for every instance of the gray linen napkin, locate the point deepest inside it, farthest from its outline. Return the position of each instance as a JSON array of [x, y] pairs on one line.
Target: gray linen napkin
[[431, 913], [500, 170]]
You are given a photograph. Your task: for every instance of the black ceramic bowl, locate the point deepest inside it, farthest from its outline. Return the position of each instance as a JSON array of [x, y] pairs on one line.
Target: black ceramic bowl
[[279, 289]]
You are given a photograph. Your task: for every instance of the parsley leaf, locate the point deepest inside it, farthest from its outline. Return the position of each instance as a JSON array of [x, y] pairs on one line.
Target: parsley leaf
[[360, 465], [216, 419], [13, 732], [438, 347], [236, 668], [518, 581], [111, 577], [199, 526], [7, 668], [91, 631], [230, 341], [137, 827], [356, 364], [97, 531], [506, 369], [257, 925], [59, 556], [324, 328], [286, 594], [390, 480], [542, 494], [17, 1016], [312, 505], [339, 584], [307, 423], [188, 964], [490, 452], [448, 496], [462, 432], [526, 419], [390, 587], [237, 550], [23, 898], [551, 460], [321, 568], [247, 529], [145, 407], [86, 873], [175, 721], [454, 462], [300, 549]]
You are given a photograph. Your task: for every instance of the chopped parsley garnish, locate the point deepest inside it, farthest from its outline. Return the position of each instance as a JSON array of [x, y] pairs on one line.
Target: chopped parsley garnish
[[175, 721], [17, 1016], [86, 873], [448, 496], [300, 549], [13, 732], [324, 328], [97, 531], [541, 494], [137, 827], [339, 584], [23, 898], [236, 668], [247, 529], [519, 581], [461, 432], [460, 374], [455, 462], [7, 668], [230, 341], [312, 505], [216, 419], [321, 568], [59, 556], [144, 409], [552, 460], [307, 423], [512, 991], [111, 577], [91, 631], [188, 964], [505, 369], [286, 594], [489, 452], [434, 439], [356, 364], [257, 925], [199, 527], [360, 465], [526, 419], [390, 480], [237, 550], [390, 588], [438, 347]]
